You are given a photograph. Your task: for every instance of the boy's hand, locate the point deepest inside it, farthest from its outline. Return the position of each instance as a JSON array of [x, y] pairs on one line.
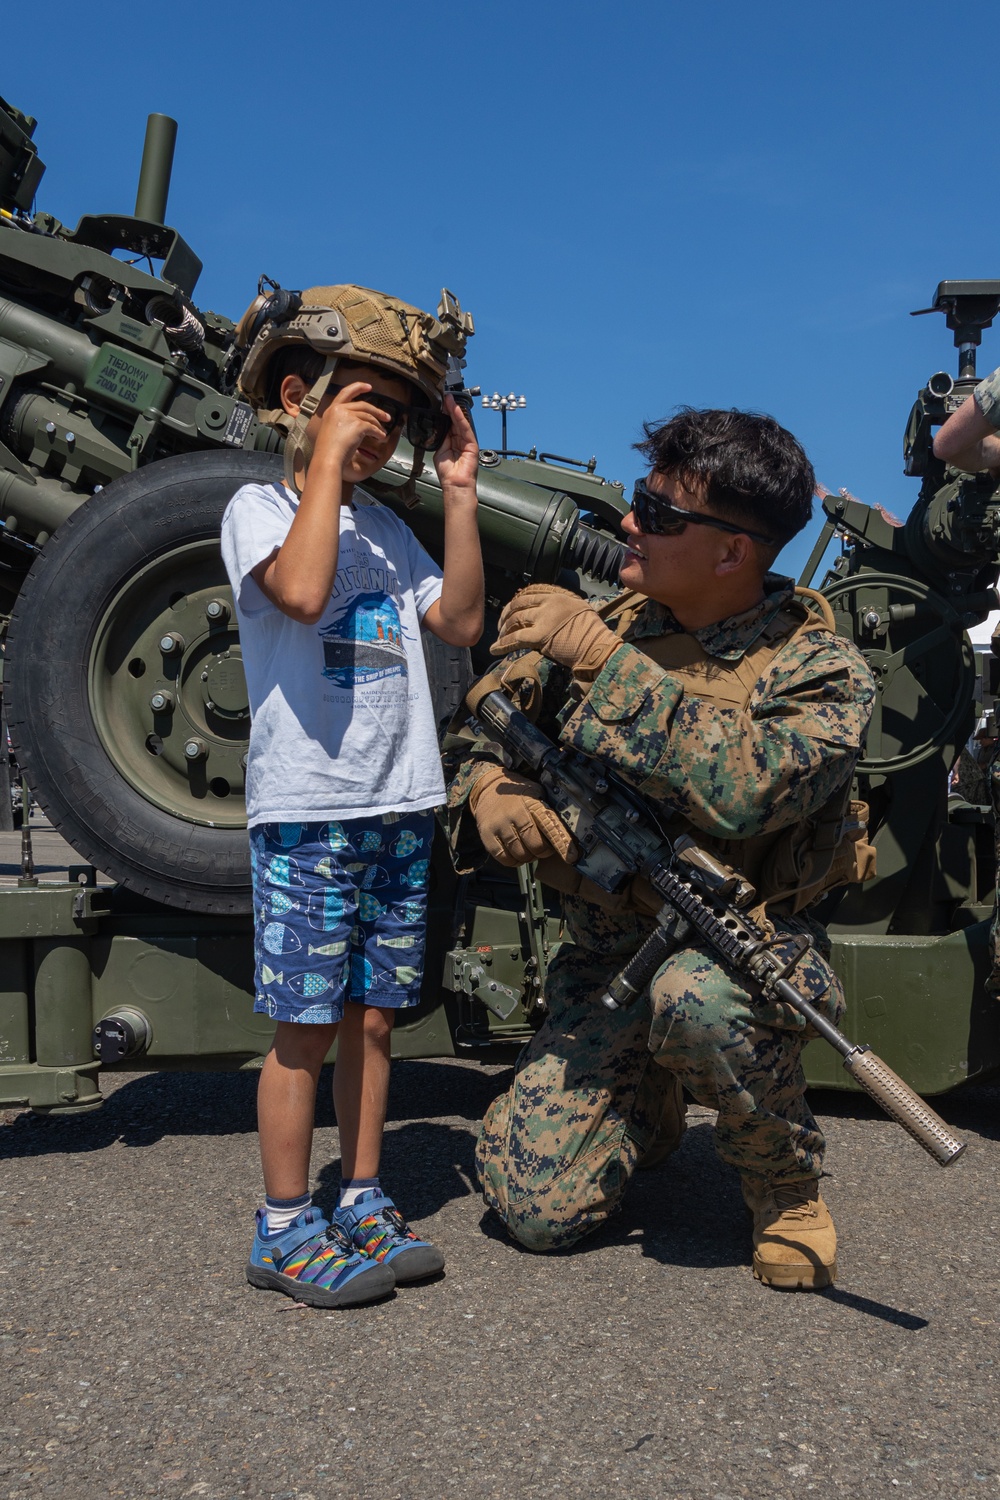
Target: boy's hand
[[349, 425], [457, 460]]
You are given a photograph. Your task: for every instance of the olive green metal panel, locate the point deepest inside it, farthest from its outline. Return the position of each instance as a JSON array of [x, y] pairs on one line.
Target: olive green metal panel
[[15, 1030], [63, 1010], [920, 1003]]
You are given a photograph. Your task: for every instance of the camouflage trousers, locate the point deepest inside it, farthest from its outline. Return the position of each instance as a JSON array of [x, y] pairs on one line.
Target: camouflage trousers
[[993, 777], [597, 1091]]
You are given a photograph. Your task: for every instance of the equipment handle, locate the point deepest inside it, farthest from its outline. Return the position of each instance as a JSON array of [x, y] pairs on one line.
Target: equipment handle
[[904, 1106], [628, 985]]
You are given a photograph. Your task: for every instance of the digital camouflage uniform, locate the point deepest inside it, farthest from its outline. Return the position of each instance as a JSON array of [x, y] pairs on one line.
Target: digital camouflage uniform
[[597, 1090], [987, 399]]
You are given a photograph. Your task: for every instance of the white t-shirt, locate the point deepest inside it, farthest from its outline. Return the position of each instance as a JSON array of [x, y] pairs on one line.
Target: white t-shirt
[[342, 724]]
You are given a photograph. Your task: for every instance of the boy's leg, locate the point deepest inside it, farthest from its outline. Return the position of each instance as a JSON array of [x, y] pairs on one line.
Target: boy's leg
[[361, 1087], [286, 1105], [307, 1258], [385, 976], [302, 926]]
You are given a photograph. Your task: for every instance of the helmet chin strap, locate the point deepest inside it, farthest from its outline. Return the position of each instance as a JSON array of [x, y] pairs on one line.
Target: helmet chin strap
[[298, 445]]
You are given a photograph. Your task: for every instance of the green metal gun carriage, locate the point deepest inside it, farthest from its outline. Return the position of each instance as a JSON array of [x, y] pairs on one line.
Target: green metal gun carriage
[[122, 437]]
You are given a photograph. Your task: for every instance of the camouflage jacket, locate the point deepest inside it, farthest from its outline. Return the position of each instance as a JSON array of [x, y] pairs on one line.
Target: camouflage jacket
[[987, 394], [731, 774]]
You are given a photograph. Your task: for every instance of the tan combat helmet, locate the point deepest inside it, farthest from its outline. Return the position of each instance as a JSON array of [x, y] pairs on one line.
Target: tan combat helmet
[[347, 323]]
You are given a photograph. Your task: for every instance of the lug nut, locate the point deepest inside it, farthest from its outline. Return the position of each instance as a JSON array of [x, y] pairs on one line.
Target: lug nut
[[195, 750], [217, 610], [171, 643], [161, 702]]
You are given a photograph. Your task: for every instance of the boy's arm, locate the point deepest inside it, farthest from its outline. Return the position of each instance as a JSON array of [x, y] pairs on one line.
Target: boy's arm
[[457, 616], [298, 576]]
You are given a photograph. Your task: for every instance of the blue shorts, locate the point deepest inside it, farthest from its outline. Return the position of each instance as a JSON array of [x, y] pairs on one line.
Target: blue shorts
[[339, 914]]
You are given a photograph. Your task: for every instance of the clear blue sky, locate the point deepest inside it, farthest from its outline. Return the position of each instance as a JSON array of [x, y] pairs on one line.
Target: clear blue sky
[[642, 204]]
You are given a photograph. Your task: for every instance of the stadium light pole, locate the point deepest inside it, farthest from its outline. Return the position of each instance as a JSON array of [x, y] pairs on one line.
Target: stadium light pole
[[504, 404]]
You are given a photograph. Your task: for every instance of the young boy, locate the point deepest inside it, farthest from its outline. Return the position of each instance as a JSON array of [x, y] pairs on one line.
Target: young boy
[[343, 770]]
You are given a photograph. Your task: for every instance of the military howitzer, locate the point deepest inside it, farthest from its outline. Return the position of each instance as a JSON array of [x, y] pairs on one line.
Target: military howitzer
[[121, 441], [122, 437], [703, 901]]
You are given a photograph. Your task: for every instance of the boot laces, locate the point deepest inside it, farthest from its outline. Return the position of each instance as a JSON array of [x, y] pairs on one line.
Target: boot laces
[[794, 1198]]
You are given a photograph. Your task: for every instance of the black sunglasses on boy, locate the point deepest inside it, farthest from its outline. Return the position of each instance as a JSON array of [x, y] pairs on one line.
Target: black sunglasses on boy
[[423, 428]]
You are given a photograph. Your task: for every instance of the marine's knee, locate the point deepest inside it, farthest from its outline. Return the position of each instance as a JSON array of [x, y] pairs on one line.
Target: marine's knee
[[551, 1192]]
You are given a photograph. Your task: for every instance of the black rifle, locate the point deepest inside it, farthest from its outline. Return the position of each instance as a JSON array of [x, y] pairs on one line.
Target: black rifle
[[620, 838]]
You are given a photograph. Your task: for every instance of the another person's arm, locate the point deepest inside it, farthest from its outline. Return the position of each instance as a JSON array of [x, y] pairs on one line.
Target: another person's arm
[[969, 439]]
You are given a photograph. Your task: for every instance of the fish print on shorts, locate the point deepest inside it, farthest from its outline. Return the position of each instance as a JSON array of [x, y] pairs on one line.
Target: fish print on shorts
[[408, 911], [326, 910], [371, 876], [311, 986], [281, 939], [407, 843]]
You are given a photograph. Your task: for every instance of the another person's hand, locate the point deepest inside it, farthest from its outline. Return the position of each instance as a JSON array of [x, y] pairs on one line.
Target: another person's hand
[[515, 823], [560, 625]]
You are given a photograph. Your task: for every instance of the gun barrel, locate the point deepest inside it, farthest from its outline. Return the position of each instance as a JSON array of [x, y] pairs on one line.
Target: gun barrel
[[157, 164], [904, 1106]]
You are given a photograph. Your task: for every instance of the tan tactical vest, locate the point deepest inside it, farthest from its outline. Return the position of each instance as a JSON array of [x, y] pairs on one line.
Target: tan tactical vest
[[790, 867]]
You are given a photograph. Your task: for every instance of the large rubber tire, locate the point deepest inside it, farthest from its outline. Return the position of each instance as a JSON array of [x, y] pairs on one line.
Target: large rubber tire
[[83, 662]]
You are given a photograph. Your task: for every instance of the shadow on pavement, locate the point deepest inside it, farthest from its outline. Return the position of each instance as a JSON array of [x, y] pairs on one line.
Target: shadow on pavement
[[152, 1106], [425, 1164], [879, 1310]]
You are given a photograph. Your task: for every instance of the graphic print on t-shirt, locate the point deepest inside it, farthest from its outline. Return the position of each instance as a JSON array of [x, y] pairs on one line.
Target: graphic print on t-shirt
[[364, 642]]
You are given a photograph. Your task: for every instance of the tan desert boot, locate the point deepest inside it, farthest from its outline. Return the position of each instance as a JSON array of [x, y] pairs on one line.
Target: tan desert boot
[[794, 1241]]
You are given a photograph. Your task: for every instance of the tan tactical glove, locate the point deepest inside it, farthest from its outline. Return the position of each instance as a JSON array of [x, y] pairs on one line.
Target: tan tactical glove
[[515, 824], [560, 625]]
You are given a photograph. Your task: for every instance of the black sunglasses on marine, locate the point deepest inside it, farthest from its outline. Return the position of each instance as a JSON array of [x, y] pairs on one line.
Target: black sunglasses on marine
[[657, 516], [424, 428]]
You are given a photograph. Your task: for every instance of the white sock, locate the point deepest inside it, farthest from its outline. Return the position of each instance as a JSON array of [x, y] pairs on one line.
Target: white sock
[[351, 1191], [282, 1211]]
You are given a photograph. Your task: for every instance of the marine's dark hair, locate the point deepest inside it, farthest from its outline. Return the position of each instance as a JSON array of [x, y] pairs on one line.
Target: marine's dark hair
[[299, 359], [747, 467]]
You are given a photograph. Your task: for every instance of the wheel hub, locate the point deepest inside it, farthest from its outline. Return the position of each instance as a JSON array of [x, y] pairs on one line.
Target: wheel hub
[[168, 691]]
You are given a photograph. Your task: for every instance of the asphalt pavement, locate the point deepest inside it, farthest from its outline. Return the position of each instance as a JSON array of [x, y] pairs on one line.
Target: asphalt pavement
[[137, 1361]]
